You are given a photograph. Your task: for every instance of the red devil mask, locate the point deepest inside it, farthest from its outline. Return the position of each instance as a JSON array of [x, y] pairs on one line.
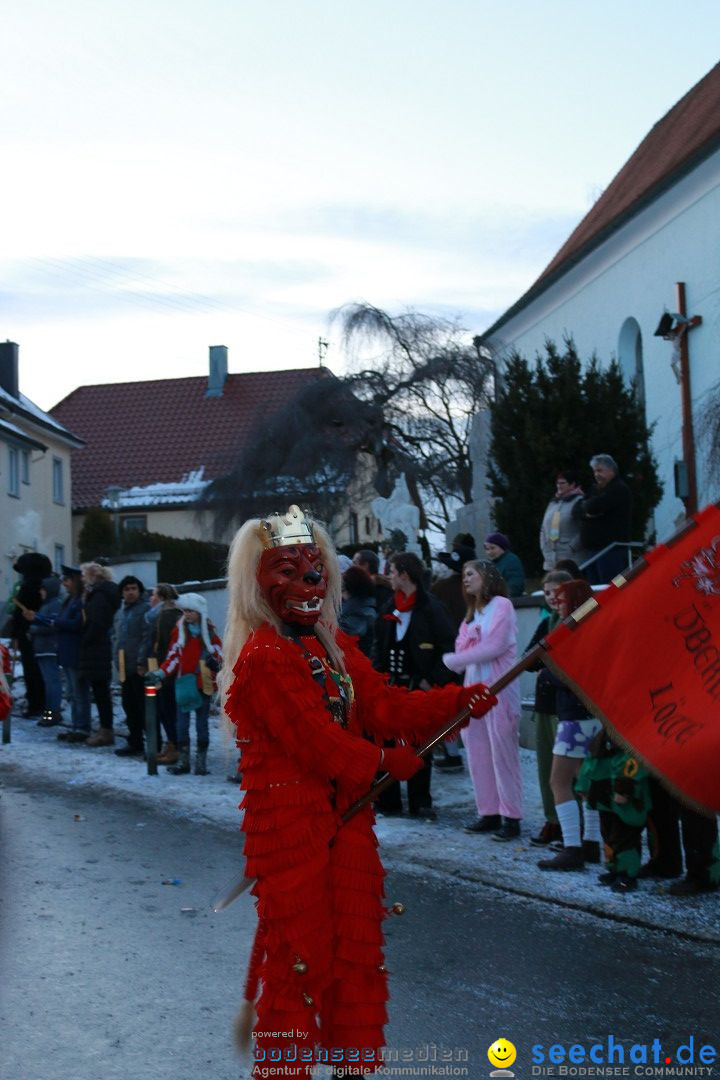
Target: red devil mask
[[294, 582]]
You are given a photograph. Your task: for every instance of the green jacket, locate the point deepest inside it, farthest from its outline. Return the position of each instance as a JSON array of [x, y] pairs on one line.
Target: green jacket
[[610, 771], [513, 571]]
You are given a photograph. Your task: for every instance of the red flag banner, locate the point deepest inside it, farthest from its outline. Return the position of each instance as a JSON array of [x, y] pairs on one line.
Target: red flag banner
[[646, 659]]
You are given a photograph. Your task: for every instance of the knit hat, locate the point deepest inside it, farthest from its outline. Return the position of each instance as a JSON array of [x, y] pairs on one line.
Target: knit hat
[[500, 539], [463, 540], [192, 601]]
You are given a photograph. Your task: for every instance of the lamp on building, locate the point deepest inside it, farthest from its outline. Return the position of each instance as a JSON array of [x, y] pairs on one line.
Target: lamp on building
[[672, 325]]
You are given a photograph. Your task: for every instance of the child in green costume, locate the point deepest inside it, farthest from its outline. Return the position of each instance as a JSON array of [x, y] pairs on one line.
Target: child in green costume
[[615, 783]]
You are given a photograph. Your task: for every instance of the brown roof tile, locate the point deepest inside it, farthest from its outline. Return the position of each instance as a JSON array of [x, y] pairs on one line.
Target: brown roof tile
[[139, 433]]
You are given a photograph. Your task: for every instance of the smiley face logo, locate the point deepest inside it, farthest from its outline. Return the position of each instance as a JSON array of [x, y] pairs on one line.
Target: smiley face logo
[[502, 1053]]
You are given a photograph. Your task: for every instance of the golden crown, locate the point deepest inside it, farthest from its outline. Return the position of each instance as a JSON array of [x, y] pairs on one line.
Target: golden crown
[[281, 530]]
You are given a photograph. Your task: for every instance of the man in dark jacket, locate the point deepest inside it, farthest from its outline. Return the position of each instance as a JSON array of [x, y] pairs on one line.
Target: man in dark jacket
[[32, 568], [605, 519], [449, 590], [100, 602], [131, 648], [368, 561], [70, 626], [44, 639], [411, 635]]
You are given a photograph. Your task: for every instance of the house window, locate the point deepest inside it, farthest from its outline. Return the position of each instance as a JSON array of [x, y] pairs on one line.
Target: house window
[[134, 523], [59, 559], [353, 528], [630, 357], [57, 481], [368, 531], [14, 471], [25, 467]]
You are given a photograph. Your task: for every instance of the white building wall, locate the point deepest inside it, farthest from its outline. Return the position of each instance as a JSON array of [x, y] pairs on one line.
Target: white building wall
[[632, 276], [32, 521]]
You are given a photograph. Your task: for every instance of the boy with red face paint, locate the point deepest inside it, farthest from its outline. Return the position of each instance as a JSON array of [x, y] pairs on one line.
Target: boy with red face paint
[[311, 716]]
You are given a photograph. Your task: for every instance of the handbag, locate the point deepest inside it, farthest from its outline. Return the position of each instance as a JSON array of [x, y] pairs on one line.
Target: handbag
[[187, 695]]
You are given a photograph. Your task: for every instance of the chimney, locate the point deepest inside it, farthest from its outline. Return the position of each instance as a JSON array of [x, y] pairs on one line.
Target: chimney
[[9, 368], [218, 370]]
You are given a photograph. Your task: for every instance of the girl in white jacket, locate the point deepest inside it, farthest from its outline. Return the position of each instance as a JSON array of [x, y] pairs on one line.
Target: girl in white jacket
[[486, 647]]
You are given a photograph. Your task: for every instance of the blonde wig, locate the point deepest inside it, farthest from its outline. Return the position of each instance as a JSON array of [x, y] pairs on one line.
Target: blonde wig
[[248, 609], [94, 571]]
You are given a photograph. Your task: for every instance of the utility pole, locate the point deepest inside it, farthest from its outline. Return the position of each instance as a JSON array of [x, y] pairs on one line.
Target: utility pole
[[323, 347], [675, 327], [688, 434]]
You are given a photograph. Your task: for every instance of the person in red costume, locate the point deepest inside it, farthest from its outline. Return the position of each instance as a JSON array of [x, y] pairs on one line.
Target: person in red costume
[[311, 715], [5, 695]]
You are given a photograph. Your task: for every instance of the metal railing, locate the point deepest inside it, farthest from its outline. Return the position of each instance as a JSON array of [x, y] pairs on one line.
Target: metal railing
[[630, 545]]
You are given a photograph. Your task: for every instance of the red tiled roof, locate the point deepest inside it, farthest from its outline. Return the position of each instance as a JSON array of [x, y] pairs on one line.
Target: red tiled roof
[[684, 137], [140, 433]]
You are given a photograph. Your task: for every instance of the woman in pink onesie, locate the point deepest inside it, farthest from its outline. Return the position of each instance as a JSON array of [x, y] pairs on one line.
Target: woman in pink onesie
[[485, 648]]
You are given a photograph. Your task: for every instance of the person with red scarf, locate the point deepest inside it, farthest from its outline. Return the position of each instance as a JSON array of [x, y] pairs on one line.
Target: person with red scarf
[[311, 715], [5, 670], [411, 635]]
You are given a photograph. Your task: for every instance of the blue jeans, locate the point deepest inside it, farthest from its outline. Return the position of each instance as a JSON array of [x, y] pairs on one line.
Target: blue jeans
[[51, 678], [201, 724], [79, 694]]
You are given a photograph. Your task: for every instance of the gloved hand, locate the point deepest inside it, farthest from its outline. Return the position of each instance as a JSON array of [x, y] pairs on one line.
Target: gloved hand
[[154, 678], [478, 697], [212, 664], [401, 762]]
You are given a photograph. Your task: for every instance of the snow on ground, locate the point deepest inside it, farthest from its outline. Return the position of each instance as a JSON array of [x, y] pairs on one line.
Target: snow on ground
[[425, 848]]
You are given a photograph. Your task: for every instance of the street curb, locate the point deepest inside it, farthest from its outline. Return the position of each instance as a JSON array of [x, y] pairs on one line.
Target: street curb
[[392, 852], [444, 869]]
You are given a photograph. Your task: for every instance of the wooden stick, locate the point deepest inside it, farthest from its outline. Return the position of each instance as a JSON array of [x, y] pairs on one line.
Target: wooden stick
[[447, 729], [240, 884]]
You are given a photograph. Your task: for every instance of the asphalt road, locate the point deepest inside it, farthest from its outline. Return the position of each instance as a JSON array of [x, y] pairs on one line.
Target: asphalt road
[[106, 977]]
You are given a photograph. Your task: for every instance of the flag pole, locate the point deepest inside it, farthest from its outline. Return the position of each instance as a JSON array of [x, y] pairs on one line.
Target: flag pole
[[240, 884], [528, 660]]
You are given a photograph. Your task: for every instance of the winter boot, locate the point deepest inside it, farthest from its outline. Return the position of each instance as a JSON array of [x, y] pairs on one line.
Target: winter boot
[[183, 762], [570, 858], [549, 832], [488, 823], [168, 755], [104, 737], [591, 851], [201, 763], [50, 718], [509, 830]]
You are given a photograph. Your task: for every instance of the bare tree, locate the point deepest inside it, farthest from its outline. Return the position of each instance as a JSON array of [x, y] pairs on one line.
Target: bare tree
[[429, 379], [306, 452]]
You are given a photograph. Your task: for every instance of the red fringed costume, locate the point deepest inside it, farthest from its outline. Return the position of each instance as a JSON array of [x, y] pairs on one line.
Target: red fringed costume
[[305, 731], [319, 886]]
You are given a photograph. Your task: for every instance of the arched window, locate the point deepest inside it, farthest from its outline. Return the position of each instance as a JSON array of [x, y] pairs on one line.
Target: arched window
[[630, 356]]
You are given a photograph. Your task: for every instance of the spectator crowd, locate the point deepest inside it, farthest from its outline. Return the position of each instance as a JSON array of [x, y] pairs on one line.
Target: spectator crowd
[[83, 630]]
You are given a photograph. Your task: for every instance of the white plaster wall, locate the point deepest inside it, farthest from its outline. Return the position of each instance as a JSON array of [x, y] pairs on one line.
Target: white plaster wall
[[633, 274], [32, 521]]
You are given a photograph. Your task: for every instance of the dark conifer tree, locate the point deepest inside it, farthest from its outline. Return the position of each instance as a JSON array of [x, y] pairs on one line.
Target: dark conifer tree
[[555, 413]]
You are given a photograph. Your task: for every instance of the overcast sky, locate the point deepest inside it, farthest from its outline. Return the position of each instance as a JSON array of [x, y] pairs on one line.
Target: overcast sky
[[183, 173]]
